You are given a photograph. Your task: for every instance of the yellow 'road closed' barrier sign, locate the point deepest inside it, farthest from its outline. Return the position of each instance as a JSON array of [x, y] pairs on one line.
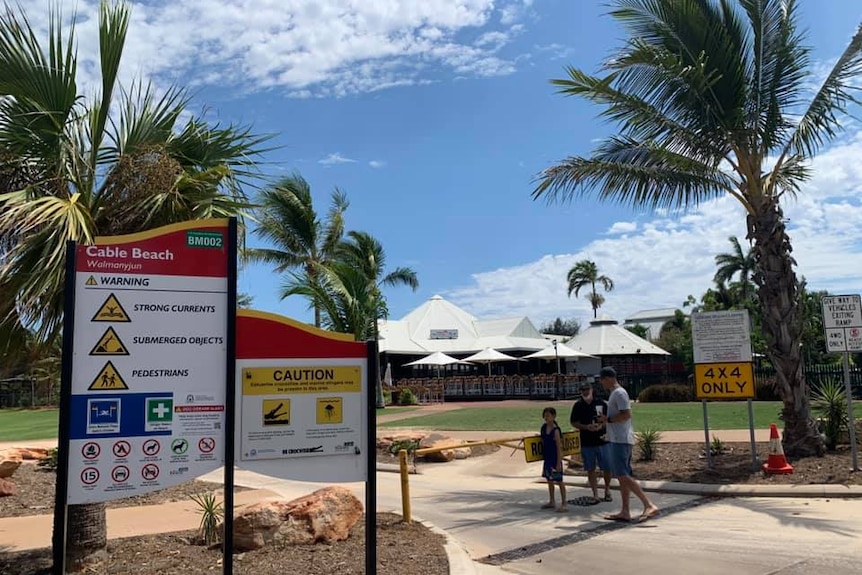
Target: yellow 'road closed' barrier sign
[[724, 380], [533, 445]]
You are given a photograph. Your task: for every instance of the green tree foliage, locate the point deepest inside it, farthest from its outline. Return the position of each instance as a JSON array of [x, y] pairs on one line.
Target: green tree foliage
[[586, 274], [560, 326], [715, 98]]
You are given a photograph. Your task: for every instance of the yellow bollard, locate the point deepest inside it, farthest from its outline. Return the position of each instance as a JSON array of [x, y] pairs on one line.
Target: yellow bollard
[[405, 486]]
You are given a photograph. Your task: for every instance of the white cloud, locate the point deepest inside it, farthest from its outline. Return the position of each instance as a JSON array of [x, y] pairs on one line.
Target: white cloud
[[514, 11], [657, 262], [377, 164], [306, 47], [622, 228], [334, 159]]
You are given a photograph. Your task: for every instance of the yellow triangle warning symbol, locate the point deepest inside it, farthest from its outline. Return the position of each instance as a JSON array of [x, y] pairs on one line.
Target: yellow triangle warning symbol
[[109, 344], [111, 310], [108, 379], [91, 281]]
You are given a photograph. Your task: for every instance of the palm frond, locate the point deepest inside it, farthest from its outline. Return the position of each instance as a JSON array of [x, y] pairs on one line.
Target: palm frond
[[636, 173]]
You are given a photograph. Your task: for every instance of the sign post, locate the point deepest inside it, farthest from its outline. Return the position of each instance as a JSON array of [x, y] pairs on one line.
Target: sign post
[[722, 357], [842, 322], [147, 346]]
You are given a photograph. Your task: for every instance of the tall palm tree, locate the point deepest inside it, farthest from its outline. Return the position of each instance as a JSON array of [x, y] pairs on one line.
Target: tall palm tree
[[586, 273], [735, 263], [300, 240], [350, 290], [713, 98], [74, 167]]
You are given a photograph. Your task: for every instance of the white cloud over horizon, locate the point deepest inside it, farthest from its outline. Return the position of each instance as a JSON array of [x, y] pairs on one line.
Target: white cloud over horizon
[[660, 259], [377, 164], [308, 48]]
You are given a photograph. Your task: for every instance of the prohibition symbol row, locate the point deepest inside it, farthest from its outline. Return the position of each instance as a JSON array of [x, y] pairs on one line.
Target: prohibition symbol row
[[119, 474], [121, 449]]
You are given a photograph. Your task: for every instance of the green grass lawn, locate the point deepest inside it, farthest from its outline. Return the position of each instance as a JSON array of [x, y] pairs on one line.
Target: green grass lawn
[[396, 409], [661, 416], [23, 424]]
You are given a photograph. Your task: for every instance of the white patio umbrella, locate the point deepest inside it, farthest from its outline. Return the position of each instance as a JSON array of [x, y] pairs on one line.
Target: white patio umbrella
[[437, 358], [490, 355], [387, 377], [561, 351]]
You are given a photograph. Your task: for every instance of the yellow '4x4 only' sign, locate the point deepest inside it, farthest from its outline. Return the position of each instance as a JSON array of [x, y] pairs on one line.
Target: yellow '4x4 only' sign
[[724, 380]]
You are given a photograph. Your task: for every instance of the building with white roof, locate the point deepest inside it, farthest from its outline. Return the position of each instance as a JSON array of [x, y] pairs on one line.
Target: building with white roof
[[439, 325], [652, 319]]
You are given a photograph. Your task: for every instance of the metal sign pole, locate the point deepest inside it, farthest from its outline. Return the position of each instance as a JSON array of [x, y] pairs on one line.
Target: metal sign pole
[[371, 464], [754, 464], [706, 435], [230, 401], [851, 424]]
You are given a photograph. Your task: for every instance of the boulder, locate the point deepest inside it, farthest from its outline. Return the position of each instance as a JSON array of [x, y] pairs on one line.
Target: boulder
[[386, 441], [326, 515], [7, 488], [436, 440], [9, 465], [25, 453]]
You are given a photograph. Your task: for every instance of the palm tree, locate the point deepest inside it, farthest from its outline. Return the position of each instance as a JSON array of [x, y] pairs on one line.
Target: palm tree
[[586, 273], [349, 290], [72, 168], [715, 98], [287, 220], [736, 262]]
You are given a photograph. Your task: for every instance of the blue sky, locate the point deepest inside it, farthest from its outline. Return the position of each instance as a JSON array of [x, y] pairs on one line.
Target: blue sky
[[435, 115]]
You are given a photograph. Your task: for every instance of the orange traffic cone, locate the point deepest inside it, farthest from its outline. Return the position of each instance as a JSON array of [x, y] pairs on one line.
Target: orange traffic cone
[[777, 463]]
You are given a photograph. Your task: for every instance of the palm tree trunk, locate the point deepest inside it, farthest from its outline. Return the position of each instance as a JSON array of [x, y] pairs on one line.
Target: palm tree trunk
[[87, 538], [780, 302]]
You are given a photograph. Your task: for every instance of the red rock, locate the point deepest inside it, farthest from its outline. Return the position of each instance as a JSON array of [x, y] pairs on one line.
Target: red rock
[[7, 488], [437, 440], [326, 515], [9, 465]]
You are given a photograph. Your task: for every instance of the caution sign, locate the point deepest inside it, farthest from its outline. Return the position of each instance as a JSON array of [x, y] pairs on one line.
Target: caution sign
[[305, 379], [108, 379], [109, 344], [533, 446], [724, 380], [276, 412], [330, 410], [91, 281], [111, 310]]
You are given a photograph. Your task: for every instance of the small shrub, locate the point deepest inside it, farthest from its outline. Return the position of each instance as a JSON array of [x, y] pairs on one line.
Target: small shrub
[[717, 447], [666, 393], [387, 397], [51, 462], [211, 512], [406, 397], [409, 445], [830, 404], [647, 443]]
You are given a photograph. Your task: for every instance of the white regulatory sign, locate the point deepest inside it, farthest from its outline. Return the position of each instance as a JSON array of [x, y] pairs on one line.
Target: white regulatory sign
[[721, 336], [842, 323]]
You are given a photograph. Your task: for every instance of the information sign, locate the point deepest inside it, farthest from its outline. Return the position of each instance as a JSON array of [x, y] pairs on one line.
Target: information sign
[[149, 360], [721, 336], [842, 322]]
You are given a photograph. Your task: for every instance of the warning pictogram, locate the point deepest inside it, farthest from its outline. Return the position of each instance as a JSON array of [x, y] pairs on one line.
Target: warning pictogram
[[276, 412], [151, 447], [89, 476], [91, 450], [121, 449], [150, 471], [108, 378], [109, 344], [330, 410], [91, 281], [206, 444], [120, 474], [111, 310]]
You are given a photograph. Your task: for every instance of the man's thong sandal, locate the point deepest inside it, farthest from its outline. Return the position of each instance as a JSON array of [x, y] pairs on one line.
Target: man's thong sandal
[[618, 518], [647, 515], [608, 497]]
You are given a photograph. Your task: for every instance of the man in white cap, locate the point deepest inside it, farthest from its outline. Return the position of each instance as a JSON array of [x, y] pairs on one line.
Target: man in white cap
[[621, 436]]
